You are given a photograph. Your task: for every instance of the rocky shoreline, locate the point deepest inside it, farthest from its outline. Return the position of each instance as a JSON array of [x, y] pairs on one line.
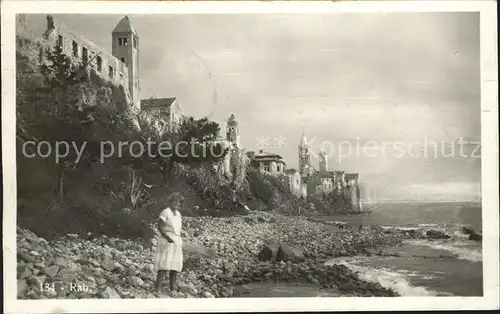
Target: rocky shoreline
[[219, 253]]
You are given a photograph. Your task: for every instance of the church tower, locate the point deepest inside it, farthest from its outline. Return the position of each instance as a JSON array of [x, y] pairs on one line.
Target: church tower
[[125, 47], [323, 161], [304, 156], [232, 131]]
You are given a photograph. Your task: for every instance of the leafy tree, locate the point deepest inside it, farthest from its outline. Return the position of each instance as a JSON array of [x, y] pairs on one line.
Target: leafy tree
[[202, 130], [193, 143]]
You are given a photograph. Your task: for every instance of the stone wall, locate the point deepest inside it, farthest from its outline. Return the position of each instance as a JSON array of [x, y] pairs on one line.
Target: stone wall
[[80, 49], [97, 90], [294, 183], [31, 45]]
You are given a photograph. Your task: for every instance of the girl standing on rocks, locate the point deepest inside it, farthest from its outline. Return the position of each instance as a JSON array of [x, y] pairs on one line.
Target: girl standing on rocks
[[168, 256]]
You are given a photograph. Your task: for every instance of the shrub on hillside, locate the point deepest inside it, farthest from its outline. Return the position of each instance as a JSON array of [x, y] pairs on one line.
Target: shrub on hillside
[[270, 189]]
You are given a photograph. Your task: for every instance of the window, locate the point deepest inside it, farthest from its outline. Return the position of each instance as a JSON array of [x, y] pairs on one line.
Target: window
[[75, 49], [278, 168], [60, 40], [135, 42], [122, 59], [267, 169], [99, 64], [111, 72], [122, 41], [85, 55]]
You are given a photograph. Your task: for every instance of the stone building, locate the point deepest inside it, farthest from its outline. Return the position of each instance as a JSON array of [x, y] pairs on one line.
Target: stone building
[[232, 131], [308, 181], [121, 67], [269, 163], [162, 113], [293, 180], [323, 161], [114, 67], [125, 47], [305, 166], [234, 165]]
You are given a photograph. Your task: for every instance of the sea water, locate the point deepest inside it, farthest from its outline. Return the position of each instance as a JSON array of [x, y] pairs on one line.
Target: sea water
[[423, 267]]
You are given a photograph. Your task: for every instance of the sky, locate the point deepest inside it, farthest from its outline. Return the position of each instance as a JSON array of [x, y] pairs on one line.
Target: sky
[[348, 80]]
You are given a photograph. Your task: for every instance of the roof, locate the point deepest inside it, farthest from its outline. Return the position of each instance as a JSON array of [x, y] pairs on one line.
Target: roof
[[124, 26], [263, 154], [291, 171], [157, 102], [275, 159]]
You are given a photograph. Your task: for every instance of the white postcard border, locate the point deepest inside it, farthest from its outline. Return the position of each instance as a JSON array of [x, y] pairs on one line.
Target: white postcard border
[[489, 165]]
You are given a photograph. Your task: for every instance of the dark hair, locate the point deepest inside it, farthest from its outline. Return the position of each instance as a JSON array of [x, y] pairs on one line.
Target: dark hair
[[176, 196]]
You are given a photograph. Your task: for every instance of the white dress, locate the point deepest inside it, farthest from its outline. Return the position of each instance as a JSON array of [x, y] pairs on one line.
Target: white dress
[[169, 255]]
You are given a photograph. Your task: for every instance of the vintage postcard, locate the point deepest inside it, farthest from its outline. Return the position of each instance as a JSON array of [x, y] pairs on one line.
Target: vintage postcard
[[249, 156]]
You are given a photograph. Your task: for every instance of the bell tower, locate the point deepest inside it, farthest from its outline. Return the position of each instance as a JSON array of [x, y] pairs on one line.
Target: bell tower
[[323, 161], [232, 131], [125, 47], [304, 156]]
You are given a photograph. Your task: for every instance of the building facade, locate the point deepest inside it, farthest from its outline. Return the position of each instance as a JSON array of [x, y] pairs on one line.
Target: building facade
[[232, 131], [268, 163], [125, 47], [163, 113], [121, 67], [234, 164], [112, 67], [305, 166], [308, 181]]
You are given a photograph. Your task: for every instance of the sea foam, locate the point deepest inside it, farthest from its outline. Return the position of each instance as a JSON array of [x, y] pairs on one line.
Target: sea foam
[[387, 278], [462, 250]]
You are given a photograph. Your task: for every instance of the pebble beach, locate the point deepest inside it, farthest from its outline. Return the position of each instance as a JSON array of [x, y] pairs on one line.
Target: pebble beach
[[220, 255]]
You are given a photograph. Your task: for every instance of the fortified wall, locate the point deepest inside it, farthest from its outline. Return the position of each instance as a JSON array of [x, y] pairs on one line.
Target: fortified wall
[[83, 51], [32, 48]]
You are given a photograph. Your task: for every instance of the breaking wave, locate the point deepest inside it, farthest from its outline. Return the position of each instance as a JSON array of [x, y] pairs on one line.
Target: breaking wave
[[461, 249], [387, 278]]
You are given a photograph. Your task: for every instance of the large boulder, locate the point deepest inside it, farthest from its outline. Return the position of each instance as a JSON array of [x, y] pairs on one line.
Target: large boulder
[[292, 253], [269, 252], [476, 236], [435, 234]]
